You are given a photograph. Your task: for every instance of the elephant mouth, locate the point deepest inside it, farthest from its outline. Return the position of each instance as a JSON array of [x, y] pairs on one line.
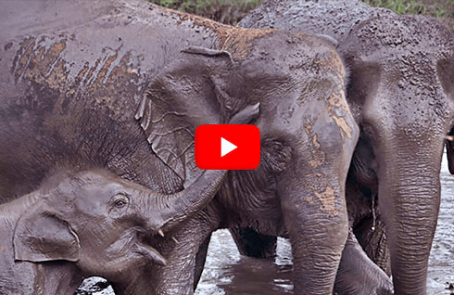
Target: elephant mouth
[[146, 250]]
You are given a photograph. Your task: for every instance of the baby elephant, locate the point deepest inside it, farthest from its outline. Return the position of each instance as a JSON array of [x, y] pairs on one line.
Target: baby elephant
[[79, 224]]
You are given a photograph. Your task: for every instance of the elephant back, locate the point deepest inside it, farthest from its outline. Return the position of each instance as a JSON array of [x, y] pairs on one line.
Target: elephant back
[[72, 74], [327, 17]]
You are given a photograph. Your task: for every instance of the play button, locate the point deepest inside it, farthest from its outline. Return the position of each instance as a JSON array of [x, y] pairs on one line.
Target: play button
[[226, 147]]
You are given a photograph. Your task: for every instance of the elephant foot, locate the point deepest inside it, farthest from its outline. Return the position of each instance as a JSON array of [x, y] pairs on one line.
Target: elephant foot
[[358, 275]]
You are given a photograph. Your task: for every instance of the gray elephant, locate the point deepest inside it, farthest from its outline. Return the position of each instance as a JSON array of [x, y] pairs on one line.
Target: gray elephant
[[401, 94], [75, 74], [78, 224], [274, 197]]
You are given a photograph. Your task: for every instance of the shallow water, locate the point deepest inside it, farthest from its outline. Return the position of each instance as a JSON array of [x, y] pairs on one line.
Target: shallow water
[[441, 261], [226, 272]]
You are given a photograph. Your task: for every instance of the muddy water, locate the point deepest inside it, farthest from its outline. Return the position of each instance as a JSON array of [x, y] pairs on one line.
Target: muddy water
[[226, 272], [441, 262]]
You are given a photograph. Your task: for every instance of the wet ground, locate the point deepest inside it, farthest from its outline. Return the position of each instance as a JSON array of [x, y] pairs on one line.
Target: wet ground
[[227, 273], [441, 262]]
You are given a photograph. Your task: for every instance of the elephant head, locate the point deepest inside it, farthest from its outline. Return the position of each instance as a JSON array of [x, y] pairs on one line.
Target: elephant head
[[307, 133], [99, 221], [401, 93]]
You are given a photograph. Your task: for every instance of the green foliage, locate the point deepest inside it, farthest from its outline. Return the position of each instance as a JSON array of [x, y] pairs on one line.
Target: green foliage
[[443, 10], [225, 11], [439, 12], [232, 11], [400, 6]]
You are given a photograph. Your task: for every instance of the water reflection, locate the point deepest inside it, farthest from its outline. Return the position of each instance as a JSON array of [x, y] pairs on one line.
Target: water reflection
[[244, 275]]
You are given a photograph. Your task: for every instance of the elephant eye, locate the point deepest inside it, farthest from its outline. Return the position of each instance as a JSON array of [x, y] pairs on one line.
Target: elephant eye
[[120, 201]]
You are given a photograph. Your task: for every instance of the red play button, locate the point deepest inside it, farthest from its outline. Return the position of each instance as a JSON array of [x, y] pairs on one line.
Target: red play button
[[227, 147]]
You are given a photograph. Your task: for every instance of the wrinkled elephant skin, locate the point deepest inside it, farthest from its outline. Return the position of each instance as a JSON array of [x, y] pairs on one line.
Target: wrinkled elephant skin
[[401, 94], [123, 85], [85, 223]]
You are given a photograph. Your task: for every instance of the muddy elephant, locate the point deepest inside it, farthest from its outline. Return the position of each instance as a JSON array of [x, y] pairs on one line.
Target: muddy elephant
[[89, 222], [122, 86], [292, 191], [401, 94]]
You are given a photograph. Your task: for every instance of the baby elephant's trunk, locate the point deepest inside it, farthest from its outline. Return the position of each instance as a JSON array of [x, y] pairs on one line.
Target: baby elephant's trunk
[[174, 209], [169, 210]]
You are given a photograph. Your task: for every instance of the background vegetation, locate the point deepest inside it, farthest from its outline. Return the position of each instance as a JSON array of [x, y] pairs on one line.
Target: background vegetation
[[224, 11], [232, 11], [443, 10]]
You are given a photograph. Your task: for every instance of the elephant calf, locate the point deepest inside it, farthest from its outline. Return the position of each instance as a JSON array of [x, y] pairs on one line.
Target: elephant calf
[[86, 223]]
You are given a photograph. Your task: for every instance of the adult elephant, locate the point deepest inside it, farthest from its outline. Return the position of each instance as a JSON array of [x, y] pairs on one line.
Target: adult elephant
[[401, 94], [74, 73]]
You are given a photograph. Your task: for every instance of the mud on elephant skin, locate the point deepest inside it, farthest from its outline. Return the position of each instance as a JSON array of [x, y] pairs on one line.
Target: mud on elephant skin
[[304, 122], [79, 224], [401, 94], [71, 88]]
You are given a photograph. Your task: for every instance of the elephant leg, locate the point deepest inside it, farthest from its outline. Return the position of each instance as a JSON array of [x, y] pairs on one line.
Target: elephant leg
[[364, 213], [178, 276], [200, 260], [180, 247], [371, 236], [253, 244], [358, 275]]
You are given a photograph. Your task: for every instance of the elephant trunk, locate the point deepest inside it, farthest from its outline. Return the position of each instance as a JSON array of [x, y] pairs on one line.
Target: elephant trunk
[[409, 199], [167, 211]]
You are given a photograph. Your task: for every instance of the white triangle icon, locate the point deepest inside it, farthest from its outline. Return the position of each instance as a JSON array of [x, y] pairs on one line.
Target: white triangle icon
[[226, 147]]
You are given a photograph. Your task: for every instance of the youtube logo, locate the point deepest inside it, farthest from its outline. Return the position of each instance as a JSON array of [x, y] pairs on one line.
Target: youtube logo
[[227, 147]]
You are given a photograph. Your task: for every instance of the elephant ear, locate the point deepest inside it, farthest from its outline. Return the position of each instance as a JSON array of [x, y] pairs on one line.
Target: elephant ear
[[188, 93], [41, 236]]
